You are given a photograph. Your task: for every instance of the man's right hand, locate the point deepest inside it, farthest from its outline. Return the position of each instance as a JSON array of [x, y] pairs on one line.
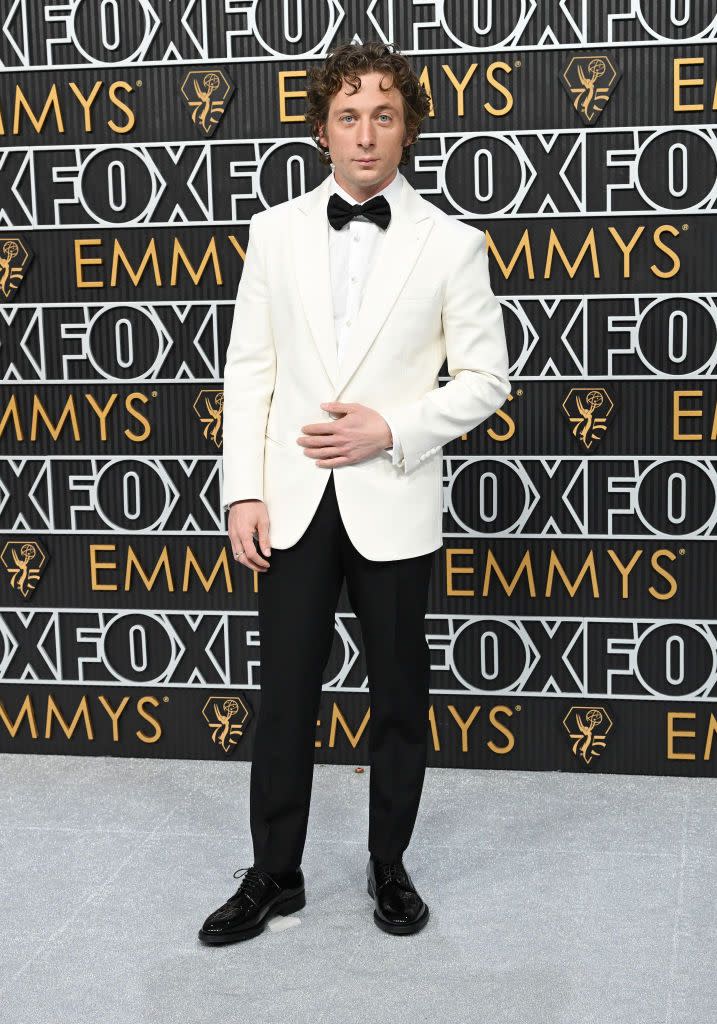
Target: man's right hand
[[248, 518]]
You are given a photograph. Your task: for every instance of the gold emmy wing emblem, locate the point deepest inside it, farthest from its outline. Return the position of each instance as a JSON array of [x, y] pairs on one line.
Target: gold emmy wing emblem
[[24, 561], [207, 94], [14, 260], [590, 82], [588, 409], [209, 407], [582, 724], [218, 713]]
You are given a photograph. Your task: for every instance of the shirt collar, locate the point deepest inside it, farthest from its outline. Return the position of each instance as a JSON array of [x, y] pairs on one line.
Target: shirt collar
[[391, 191]]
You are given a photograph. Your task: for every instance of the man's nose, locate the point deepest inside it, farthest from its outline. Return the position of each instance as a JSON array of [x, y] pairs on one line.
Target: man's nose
[[366, 135]]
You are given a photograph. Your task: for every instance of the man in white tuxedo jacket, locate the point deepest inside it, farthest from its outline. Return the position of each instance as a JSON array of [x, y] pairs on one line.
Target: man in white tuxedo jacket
[[332, 465]]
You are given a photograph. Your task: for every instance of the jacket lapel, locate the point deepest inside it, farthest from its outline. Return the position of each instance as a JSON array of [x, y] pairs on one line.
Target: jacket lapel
[[403, 240]]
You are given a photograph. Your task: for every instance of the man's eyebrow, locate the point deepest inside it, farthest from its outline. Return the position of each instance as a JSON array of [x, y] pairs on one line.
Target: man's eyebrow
[[352, 110]]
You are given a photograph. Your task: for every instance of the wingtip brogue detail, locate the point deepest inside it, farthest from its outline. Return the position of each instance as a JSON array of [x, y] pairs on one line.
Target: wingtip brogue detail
[[259, 897], [398, 907]]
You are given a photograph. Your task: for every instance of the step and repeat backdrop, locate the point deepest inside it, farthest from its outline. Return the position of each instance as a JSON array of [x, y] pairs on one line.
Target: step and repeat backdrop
[[572, 620]]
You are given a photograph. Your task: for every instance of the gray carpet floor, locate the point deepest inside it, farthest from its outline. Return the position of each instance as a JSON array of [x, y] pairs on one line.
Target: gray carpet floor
[[554, 898]]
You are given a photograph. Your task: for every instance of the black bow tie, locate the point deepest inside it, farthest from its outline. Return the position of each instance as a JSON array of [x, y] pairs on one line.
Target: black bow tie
[[340, 212]]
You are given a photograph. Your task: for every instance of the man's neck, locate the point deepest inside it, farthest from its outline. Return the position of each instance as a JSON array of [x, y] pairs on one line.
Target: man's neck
[[361, 195]]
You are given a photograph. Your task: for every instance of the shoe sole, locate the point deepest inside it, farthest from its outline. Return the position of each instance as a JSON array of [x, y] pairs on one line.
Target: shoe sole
[[282, 907], [398, 929]]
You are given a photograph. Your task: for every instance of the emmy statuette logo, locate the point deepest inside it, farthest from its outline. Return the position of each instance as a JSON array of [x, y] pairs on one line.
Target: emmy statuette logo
[[588, 409], [209, 407], [14, 260], [590, 81], [225, 717], [24, 561], [207, 94], [582, 724]]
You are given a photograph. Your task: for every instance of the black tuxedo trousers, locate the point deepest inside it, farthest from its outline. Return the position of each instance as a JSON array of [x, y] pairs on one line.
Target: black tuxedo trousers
[[297, 601]]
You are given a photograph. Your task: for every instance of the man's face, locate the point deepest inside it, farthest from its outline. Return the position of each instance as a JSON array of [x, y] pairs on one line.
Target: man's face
[[365, 133]]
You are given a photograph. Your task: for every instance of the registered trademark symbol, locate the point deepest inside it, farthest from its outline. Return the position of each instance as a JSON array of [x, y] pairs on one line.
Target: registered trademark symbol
[[518, 707], [685, 227], [139, 82], [165, 699], [518, 64], [154, 394], [519, 392], [682, 551]]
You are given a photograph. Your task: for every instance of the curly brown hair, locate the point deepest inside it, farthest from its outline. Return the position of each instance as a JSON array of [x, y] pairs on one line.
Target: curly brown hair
[[347, 62]]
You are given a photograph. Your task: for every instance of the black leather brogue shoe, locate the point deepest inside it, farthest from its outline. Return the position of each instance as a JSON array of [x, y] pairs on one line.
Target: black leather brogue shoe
[[399, 909], [258, 898]]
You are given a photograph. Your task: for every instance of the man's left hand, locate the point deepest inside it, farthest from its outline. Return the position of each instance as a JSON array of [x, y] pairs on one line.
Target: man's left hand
[[358, 434]]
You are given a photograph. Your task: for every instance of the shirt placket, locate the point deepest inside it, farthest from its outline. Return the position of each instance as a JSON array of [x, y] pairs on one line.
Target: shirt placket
[[355, 269]]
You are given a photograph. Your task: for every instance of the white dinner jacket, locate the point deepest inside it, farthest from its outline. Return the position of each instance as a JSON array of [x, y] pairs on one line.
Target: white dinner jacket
[[427, 298]]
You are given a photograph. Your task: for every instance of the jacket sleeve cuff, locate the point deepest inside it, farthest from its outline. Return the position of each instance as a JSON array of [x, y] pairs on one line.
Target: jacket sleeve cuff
[[396, 452]]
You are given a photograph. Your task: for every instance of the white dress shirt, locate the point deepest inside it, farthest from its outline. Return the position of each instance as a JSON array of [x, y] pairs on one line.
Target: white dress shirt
[[352, 249]]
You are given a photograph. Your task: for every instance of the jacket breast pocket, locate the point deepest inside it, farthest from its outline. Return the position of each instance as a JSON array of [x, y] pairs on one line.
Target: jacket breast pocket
[[417, 314], [425, 296]]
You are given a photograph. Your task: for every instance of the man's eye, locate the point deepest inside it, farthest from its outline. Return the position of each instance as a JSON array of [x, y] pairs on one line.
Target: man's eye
[[346, 116]]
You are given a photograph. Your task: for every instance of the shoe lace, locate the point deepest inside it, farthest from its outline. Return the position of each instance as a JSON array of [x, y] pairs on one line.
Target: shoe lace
[[252, 884], [385, 872]]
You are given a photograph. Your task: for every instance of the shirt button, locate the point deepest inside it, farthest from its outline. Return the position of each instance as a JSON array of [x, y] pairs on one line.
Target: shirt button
[[355, 238], [353, 278], [348, 323]]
